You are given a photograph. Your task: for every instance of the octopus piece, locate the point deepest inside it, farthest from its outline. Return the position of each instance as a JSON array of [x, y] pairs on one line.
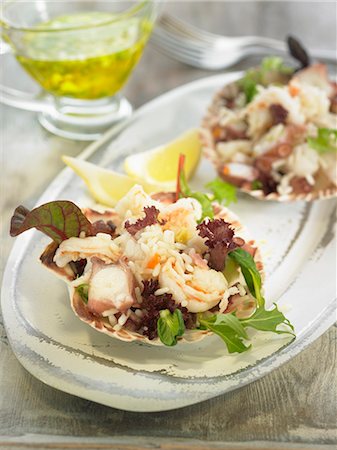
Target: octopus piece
[[111, 287]]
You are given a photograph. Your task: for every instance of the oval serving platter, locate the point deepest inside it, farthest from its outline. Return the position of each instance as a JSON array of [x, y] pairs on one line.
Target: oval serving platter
[[297, 242]]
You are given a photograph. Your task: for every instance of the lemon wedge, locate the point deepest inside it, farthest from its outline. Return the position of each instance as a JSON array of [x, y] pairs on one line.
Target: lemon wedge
[[106, 186], [160, 165]]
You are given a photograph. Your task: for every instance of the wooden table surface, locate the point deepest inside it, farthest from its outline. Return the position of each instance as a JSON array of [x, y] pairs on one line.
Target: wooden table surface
[[292, 407]]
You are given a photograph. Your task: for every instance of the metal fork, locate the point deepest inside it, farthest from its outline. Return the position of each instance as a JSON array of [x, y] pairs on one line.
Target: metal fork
[[198, 48]]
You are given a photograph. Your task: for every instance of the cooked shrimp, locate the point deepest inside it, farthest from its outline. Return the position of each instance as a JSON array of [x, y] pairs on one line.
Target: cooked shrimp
[[75, 248], [198, 291]]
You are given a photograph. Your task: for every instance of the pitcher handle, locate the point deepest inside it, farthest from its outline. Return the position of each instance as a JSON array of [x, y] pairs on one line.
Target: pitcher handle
[[21, 99]]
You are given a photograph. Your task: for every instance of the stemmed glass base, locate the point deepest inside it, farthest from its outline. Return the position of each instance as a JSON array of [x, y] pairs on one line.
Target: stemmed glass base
[[84, 120]]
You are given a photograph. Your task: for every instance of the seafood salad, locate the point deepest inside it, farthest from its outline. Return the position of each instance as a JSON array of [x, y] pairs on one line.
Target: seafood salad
[[154, 270], [273, 133]]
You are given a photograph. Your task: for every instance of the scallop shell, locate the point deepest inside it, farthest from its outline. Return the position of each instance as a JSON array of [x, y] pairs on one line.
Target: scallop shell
[[103, 325], [322, 189]]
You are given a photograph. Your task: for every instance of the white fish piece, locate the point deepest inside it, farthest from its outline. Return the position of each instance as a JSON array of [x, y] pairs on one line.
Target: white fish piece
[[74, 249], [303, 161], [314, 101], [227, 150], [268, 141], [238, 173]]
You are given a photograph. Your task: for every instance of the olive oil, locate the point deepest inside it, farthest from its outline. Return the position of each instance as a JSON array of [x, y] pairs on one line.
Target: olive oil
[[84, 56]]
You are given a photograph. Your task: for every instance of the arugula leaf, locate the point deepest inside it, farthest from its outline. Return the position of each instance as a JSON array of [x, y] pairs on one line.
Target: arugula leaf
[[83, 290], [228, 328], [325, 141], [170, 326], [224, 193], [250, 272], [59, 220], [267, 320], [233, 322], [232, 330]]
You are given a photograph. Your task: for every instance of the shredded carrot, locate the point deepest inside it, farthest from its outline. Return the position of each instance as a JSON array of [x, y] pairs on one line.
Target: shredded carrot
[[225, 170], [153, 261], [217, 132], [293, 90]]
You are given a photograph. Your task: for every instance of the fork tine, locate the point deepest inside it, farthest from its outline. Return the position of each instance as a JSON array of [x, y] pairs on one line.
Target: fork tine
[[175, 51], [185, 29], [180, 44]]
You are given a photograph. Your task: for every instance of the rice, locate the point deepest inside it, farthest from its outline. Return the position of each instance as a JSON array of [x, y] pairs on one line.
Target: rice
[[139, 313], [112, 319], [110, 312], [138, 294], [123, 318], [156, 271], [161, 291]]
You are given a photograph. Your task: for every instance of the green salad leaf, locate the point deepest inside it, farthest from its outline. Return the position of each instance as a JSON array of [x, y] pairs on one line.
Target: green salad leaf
[[267, 320], [170, 326], [59, 220], [325, 141], [206, 204], [257, 185], [249, 84], [275, 63], [224, 193], [250, 272], [83, 290], [228, 328], [253, 77], [232, 329]]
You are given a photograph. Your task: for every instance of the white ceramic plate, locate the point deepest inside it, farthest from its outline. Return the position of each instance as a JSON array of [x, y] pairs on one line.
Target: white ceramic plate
[[298, 246]]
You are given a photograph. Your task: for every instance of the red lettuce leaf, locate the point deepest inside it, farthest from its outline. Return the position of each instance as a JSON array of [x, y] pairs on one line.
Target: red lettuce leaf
[[151, 215], [220, 240], [153, 304], [59, 220]]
